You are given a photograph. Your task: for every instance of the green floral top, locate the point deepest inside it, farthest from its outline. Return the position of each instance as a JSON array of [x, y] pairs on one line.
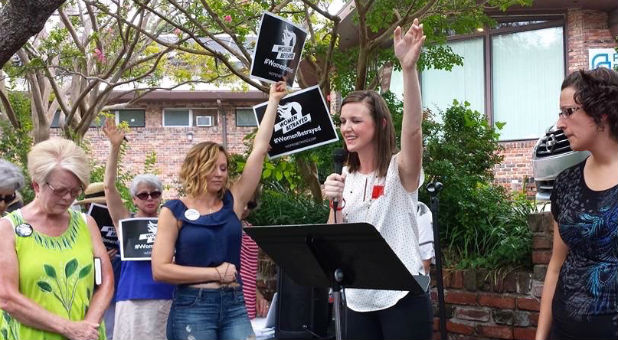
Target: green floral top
[[55, 272]]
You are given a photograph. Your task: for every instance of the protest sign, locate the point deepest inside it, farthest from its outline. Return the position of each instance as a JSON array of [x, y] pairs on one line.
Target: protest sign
[[303, 122], [100, 214], [278, 49], [137, 236]]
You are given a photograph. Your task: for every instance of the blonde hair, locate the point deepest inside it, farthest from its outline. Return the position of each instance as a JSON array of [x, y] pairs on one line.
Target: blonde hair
[[58, 153], [199, 163]]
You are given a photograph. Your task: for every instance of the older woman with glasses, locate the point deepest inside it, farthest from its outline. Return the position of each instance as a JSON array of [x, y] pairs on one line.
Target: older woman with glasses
[[11, 180], [48, 252], [142, 305]]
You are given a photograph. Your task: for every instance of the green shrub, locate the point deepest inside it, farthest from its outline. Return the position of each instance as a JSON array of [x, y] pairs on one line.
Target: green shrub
[[278, 206], [480, 226]]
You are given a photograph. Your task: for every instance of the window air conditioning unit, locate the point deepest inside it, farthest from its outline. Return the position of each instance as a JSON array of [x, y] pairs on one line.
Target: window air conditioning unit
[[203, 120]]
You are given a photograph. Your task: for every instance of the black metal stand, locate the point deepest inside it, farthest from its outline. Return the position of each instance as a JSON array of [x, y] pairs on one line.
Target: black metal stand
[[434, 189], [337, 288], [351, 255]]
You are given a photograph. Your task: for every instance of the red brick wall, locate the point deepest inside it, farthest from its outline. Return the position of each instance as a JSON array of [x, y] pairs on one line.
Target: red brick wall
[[586, 29], [516, 168], [480, 304]]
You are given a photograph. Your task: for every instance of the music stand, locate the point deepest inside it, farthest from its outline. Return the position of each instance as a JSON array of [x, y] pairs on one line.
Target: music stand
[[350, 255]]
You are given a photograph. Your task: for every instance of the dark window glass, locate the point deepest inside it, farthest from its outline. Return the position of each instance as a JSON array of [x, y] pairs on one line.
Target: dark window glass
[[245, 117], [135, 118]]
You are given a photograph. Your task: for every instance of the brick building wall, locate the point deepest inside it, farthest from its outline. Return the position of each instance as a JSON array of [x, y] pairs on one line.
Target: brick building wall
[[586, 29]]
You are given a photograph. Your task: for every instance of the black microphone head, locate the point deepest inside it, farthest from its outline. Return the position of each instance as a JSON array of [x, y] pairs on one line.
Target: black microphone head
[[338, 159]]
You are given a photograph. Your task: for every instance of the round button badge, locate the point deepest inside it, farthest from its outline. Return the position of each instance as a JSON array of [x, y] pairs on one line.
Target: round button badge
[[23, 230], [192, 214]]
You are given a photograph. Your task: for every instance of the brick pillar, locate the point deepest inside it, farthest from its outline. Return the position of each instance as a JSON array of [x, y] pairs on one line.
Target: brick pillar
[[542, 227]]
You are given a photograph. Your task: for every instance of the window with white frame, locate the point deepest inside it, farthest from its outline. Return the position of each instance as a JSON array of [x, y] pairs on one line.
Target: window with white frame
[[245, 117], [176, 117], [133, 117], [525, 63], [204, 117]]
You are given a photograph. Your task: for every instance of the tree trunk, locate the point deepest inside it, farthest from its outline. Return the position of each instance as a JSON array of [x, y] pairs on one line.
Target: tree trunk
[[309, 172], [20, 20], [361, 70]]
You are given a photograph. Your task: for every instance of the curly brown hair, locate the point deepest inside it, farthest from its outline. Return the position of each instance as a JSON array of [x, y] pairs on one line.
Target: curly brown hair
[[199, 163], [596, 91]]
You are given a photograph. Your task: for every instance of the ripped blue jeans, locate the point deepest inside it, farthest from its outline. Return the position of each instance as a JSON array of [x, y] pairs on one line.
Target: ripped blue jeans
[[201, 314]]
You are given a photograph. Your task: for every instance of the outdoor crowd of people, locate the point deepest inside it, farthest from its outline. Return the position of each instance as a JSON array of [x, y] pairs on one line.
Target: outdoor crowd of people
[[200, 282]]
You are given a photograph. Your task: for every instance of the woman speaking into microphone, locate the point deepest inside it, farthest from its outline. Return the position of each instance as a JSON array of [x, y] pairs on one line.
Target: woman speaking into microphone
[[379, 186]]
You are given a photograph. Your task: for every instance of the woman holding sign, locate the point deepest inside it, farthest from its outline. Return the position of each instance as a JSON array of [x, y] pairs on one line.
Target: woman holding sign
[[379, 186], [199, 237], [48, 254], [141, 303]]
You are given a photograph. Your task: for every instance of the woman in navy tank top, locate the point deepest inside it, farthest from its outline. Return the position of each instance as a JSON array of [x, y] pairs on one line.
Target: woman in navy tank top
[[199, 237]]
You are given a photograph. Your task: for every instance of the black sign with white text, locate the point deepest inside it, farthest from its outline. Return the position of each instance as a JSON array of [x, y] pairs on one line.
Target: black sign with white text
[[137, 236], [303, 122], [101, 215], [278, 50]]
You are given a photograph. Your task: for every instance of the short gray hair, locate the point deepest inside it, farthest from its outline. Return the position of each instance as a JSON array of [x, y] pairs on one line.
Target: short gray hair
[[148, 179], [11, 177]]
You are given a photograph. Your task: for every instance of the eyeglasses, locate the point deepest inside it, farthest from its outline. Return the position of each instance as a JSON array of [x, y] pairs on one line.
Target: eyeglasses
[[568, 111], [63, 192], [144, 195], [8, 198]]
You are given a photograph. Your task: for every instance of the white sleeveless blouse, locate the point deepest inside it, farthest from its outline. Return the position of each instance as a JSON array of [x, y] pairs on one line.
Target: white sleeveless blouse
[[391, 209]]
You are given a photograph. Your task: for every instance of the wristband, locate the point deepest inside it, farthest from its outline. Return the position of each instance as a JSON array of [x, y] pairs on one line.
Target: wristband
[[339, 207]]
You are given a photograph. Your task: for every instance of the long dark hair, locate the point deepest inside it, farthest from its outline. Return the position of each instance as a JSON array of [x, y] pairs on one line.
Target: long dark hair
[[384, 136]]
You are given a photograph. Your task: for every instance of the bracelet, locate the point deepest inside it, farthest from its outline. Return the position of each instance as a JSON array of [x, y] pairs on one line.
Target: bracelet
[[219, 273], [339, 207]]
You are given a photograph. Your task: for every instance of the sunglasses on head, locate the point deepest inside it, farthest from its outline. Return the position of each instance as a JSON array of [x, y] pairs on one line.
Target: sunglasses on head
[[8, 198], [144, 195]]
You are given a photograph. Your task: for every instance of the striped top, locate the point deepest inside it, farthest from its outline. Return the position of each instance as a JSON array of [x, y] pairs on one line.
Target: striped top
[[248, 270]]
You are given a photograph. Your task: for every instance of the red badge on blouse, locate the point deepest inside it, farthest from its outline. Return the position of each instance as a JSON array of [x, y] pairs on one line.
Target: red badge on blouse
[[378, 190]]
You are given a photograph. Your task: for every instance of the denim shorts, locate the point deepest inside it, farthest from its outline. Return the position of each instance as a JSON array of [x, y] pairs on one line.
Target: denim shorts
[[201, 314]]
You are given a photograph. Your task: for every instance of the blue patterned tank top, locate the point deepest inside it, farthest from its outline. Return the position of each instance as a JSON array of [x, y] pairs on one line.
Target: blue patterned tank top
[[588, 224]]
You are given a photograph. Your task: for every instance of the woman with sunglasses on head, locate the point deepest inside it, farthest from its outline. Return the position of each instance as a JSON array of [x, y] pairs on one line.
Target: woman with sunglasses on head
[[380, 186], [11, 180], [142, 305], [47, 254], [579, 298], [199, 237]]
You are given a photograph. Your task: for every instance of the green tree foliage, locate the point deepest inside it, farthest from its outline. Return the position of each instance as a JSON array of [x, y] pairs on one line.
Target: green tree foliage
[[76, 63], [16, 141]]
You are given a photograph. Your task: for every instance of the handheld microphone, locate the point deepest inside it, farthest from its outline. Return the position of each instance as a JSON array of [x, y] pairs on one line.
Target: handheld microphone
[[338, 159]]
